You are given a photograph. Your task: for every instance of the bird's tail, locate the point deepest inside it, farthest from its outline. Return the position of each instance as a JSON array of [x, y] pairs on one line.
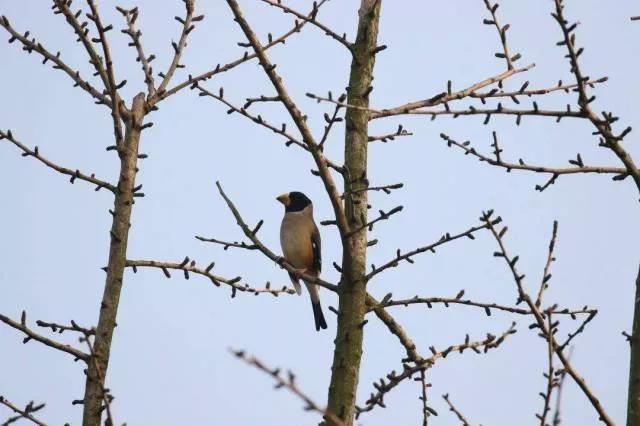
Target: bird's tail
[[318, 315]]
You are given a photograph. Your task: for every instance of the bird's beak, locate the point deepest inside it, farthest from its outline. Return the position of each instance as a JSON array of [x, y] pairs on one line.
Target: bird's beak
[[284, 199]]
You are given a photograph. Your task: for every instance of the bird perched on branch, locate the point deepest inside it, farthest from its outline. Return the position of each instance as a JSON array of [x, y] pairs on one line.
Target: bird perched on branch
[[300, 241]]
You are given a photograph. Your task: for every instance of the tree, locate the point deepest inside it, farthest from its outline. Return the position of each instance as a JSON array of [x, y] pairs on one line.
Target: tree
[[350, 206]]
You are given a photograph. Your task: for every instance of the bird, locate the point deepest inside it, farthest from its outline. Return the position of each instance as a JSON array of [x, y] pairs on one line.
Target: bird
[[301, 246]]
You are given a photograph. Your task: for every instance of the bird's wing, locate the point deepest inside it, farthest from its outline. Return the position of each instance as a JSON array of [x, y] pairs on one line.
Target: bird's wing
[[317, 249]]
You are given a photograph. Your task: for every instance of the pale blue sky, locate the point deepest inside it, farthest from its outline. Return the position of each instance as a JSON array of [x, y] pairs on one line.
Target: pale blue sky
[[170, 363]]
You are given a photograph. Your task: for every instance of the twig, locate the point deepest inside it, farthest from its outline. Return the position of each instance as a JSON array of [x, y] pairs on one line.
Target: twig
[[602, 125], [457, 412], [550, 376], [431, 247], [131, 16], [297, 118], [330, 122], [382, 215], [426, 410], [562, 374], [58, 328], [288, 383], [22, 326], [187, 26], [258, 119], [546, 275], [32, 45], [63, 7], [342, 39], [394, 379], [546, 333], [502, 31], [25, 413], [188, 266], [429, 301], [230, 65], [75, 174], [521, 165], [389, 136], [112, 86]]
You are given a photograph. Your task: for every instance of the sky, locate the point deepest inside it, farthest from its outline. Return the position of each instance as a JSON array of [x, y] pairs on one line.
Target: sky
[[170, 362]]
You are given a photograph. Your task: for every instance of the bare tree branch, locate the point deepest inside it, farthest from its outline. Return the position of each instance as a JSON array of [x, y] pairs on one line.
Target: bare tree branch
[[602, 125], [31, 335], [296, 116], [502, 31], [455, 411], [342, 39], [64, 7], [32, 45], [75, 174], [189, 266], [112, 86], [258, 119], [288, 383], [22, 413], [546, 332], [230, 65], [394, 379], [458, 300], [136, 35], [408, 256], [187, 26], [468, 149]]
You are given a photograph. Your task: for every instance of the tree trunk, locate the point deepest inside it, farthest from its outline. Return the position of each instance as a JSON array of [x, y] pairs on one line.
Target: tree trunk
[[123, 205], [352, 292], [633, 402]]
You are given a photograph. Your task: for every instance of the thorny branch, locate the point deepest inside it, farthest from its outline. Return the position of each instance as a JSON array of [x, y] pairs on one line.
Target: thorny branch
[[288, 383]]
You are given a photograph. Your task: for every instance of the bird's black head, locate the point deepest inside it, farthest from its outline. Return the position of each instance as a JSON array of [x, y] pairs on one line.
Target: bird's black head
[[294, 201]]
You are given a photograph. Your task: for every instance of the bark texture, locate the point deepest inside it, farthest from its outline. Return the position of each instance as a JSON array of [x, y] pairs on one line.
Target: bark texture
[[633, 403], [352, 291], [123, 206]]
